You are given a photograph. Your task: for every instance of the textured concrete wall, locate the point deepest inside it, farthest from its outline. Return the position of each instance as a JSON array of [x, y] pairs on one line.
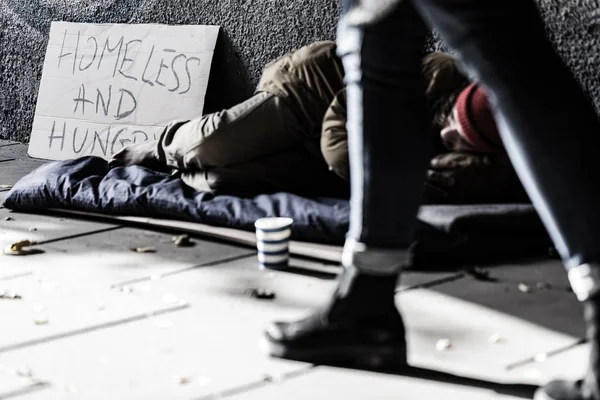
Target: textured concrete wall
[[253, 32]]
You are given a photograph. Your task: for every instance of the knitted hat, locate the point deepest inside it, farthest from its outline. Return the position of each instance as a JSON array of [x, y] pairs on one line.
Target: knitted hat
[[477, 123]]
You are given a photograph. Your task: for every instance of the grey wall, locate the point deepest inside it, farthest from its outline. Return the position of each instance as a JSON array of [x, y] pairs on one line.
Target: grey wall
[[253, 32]]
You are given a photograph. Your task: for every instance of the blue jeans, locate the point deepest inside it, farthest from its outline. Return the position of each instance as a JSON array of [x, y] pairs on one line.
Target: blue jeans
[[548, 126]]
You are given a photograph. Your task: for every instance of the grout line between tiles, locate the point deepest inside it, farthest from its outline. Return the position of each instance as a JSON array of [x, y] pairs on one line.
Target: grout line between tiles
[[548, 354], [179, 271], [268, 380], [435, 282], [25, 390], [16, 276], [93, 328], [78, 235]]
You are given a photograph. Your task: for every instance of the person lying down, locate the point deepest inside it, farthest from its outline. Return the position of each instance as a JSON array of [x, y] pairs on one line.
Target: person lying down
[[290, 136]]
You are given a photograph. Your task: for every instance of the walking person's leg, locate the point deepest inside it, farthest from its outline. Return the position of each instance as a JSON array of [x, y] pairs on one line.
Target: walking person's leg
[[389, 149], [551, 133]]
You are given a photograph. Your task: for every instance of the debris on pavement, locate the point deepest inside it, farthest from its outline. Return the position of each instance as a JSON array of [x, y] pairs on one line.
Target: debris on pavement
[[182, 241], [443, 345], [9, 219], [19, 245], [8, 295], [143, 249], [524, 288], [33, 229], [41, 321], [6, 186], [183, 380], [261, 293], [18, 248], [270, 378], [126, 289], [496, 338], [24, 372]]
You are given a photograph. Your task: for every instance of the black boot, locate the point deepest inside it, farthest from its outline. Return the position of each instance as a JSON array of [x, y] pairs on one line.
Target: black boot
[[360, 327], [588, 388]]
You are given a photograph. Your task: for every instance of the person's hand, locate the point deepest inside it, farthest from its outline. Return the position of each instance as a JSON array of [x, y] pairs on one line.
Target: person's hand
[[467, 177], [142, 154]]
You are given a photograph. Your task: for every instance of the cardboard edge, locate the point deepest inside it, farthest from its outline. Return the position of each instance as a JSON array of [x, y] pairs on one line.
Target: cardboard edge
[[328, 253]]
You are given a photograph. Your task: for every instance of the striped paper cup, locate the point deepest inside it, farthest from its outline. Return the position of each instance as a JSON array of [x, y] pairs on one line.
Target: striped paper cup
[[272, 241]]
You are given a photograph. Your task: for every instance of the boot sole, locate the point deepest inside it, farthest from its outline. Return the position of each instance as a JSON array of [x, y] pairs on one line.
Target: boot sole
[[371, 357]]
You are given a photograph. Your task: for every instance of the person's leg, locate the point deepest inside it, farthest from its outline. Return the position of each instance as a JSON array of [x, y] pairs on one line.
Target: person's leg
[[550, 131], [259, 126], [389, 147], [292, 171]]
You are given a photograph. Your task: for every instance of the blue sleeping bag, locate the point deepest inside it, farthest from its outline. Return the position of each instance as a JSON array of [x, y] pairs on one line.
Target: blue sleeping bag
[[444, 232]]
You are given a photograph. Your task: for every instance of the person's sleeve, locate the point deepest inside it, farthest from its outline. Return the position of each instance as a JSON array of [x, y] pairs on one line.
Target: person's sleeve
[[334, 137], [171, 145]]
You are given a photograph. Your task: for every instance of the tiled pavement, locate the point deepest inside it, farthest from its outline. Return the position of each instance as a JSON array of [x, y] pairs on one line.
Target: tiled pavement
[[99, 321]]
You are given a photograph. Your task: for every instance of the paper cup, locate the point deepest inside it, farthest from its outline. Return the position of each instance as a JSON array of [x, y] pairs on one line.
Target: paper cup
[[273, 241]]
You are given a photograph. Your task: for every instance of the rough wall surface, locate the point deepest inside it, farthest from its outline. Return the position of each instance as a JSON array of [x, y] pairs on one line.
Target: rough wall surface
[[253, 32]]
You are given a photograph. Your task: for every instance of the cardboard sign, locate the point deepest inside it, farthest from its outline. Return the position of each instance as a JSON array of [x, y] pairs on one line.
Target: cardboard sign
[[106, 86]]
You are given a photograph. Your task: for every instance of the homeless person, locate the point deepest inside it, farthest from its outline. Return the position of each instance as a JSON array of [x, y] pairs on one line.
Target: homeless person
[[550, 133], [290, 136]]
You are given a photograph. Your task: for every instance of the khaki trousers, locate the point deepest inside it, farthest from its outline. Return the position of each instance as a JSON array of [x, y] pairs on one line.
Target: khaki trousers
[[257, 146]]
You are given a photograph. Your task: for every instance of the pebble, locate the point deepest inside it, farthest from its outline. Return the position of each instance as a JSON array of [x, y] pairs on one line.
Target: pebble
[[41, 321], [18, 248], [182, 241], [260, 293], [143, 249], [183, 380], [524, 288]]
